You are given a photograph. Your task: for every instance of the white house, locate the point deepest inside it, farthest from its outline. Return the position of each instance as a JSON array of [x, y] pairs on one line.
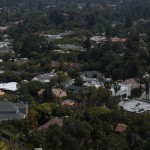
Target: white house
[[98, 39], [20, 59], [11, 86], [3, 28], [50, 36], [125, 90], [4, 44], [91, 79], [93, 83], [45, 78]]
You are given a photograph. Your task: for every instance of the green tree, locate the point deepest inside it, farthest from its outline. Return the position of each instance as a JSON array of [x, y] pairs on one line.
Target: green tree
[[47, 95], [69, 142], [34, 87], [128, 21], [78, 81], [31, 121], [103, 96], [78, 98], [100, 112], [60, 111], [53, 138], [9, 77], [78, 129], [87, 43], [44, 111]]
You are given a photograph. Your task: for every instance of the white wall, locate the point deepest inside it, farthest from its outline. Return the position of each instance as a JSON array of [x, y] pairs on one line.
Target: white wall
[[124, 90]]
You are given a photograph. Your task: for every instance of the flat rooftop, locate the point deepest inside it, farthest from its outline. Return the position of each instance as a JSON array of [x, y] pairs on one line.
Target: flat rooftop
[[136, 106], [11, 86]]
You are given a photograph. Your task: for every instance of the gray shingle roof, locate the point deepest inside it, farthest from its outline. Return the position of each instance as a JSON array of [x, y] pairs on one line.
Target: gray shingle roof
[[6, 106], [44, 77], [89, 74], [74, 88], [9, 116], [10, 110]]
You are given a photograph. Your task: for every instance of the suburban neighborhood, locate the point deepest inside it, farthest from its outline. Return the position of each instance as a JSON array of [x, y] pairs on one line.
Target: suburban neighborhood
[[74, 75]]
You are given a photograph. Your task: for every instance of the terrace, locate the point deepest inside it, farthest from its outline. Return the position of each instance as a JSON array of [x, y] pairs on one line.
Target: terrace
[[136, 106]]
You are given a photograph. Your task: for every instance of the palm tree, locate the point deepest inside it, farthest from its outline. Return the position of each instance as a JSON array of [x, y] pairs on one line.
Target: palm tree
[[78, 99], [82, 96], [140, 73], [116, 87], [87, 96]]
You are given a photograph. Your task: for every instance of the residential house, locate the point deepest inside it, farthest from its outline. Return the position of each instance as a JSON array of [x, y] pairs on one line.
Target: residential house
[[107, 79], [73, 88], [40, 92], [12, 111], [44, 77], [68, 103], [3, 28], [125, 90], [67, 33], [54, 121], [5, 46], [91, 79], [98, 39], [89, 74], [11, 86], [51, 37], [143, 21], [2, 71], [59, 93], [133, 83], [21, 60], [68, 83], [115, 39], [93, 83], [121, 128], [61, 51], [56, 91]]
